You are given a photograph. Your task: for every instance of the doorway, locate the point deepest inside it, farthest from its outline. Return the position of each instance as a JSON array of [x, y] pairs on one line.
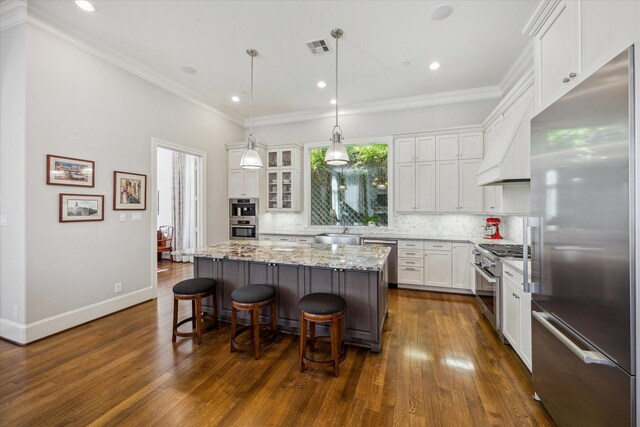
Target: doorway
[[178, 200]]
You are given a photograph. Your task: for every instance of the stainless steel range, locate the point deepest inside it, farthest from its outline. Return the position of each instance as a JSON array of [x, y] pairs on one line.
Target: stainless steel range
[[488, 270]]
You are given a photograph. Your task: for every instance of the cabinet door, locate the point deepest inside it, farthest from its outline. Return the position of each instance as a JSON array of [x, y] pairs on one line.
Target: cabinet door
[[235, 186], [425, 187], [605, 25], [511, 313], [404, 183], [447, 186], [232, 278], [251, 183], [437, 268], [447, 147], [286, 179], [426, 149], [405, 150], [471, 146], [289, 282], [233, 158], [471, 197], [359, 290], [558, 52], [493, 199], [410, 275], [525, 338], [460, 266], [273, 159], [273, 193]]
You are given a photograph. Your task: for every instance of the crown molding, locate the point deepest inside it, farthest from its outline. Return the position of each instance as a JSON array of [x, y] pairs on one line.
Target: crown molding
[[539, 16], [56, 29], [441, 98], [521, 66], [12, 13]]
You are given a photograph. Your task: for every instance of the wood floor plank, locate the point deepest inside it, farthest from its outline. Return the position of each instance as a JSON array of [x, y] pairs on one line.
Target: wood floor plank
[[441, 365]]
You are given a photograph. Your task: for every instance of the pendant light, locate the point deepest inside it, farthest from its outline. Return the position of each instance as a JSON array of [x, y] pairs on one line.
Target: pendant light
[[251, 158], [336, 153]]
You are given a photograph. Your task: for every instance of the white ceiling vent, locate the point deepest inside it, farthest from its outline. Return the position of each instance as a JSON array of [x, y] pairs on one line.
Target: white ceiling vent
[[318, 47]]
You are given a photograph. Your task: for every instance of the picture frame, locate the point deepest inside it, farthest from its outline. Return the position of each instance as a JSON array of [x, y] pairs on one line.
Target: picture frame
[[70, 171], [129, 191], [80, 207]]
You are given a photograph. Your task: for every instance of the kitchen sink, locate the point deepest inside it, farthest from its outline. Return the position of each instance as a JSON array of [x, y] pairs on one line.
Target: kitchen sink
[[338, 239]]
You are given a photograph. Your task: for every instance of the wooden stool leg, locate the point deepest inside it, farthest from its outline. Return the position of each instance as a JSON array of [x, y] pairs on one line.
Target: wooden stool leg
[[303, 340], [215, 307], [312, 336], [233, 327], [193, 314], [342, 346], [255, 326], [274, 324], [175, 319], [335, 336], [198, 317]]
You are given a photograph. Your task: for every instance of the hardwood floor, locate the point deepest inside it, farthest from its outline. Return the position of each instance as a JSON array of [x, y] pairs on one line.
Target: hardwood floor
[[441, 365]]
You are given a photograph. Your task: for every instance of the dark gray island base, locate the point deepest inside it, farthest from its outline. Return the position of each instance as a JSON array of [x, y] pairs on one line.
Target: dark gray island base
[[364, 290]]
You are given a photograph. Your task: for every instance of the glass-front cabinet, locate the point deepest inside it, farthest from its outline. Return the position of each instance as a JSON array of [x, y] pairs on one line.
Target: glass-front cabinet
[[284, 178]]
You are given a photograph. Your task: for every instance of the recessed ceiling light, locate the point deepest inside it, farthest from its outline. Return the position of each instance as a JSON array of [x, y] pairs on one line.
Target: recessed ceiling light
[[85, 5], [188, 70], [333, 102], [321, 84], [406, 63], [434, 66], [441, 12], [235, 99]]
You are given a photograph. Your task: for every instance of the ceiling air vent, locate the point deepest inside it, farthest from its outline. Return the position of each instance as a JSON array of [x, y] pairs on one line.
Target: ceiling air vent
[[318, 47]]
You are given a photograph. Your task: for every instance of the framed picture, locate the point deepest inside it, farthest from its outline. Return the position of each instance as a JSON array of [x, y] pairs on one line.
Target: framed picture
[[81, 207], [70, 171], [129, 191]]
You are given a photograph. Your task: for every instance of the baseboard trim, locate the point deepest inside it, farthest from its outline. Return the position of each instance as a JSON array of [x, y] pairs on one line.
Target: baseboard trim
[[24, 334]]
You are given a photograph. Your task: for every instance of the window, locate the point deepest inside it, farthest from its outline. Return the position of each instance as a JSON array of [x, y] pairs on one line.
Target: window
[[355, 194]]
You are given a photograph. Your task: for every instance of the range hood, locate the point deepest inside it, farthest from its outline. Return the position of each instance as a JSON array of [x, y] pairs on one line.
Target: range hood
[[507, 160]]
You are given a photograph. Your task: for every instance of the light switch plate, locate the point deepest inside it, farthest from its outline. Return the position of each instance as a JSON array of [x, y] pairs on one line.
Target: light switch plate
[[123, 217], [136, 216]]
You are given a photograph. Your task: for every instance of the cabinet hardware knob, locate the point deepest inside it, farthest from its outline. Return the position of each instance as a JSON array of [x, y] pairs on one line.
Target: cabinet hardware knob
[[566, 80], [572, 75], [492, 207]]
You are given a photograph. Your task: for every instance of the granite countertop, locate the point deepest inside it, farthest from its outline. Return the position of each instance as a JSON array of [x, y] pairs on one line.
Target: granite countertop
[[390, 234], [371, 258]]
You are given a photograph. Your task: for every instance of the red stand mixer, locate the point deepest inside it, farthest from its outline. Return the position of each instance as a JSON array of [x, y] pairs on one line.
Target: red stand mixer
[[492, 229]]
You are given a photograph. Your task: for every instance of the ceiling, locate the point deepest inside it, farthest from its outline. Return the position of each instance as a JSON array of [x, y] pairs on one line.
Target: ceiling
[[475, 46]]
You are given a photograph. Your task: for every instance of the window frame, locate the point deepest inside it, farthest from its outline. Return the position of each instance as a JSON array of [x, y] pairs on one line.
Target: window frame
[[307, 181]]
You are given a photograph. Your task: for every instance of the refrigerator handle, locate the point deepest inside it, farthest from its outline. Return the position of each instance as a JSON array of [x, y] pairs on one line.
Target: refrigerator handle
[[528, 223], [587, 356]]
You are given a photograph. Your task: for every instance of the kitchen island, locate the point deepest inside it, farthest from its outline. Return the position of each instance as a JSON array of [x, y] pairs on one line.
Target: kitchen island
[[356, 273]]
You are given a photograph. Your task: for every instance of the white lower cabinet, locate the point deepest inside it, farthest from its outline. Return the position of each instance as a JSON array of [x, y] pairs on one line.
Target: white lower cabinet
[[460, 266], [410, 275], [516, 314], [437, 266]]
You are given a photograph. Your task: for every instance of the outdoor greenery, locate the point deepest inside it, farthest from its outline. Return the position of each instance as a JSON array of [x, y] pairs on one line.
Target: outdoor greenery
[[361, 192]]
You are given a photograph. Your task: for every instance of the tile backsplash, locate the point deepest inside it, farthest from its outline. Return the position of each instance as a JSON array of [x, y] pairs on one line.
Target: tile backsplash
[[433, 224]]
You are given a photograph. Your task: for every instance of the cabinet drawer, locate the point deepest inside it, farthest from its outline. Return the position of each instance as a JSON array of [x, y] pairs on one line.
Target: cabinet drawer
[[410, 253], [266, 237], [409, 244], [411, 262], [282, 238], [305, 239], [512, 274], [438, 246], [411, 275]]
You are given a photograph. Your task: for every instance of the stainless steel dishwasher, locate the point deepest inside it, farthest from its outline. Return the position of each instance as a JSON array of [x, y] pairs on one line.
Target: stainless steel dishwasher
[[392, 268]]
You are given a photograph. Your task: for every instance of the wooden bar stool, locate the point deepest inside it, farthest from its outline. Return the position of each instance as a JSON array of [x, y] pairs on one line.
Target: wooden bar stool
[[322, 308], [194, 290], [252, 298]]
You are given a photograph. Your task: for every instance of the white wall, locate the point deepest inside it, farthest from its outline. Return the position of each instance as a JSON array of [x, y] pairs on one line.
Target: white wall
[[13, 45], [165, 184], [81, 106], [386, 123]]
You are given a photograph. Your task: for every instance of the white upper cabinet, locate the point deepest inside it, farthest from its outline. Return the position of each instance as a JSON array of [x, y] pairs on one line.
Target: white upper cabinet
[[607, 27], [471, 146], [405, 150], [471, 197], [447, 186], [425, 148], [425, 187], [243, 183], [557, 49], [405, 186], [233, 158], [447, 147]]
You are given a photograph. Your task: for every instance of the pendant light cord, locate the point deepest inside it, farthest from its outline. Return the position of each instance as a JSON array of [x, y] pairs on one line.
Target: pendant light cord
[[251, 127], [336, 81]]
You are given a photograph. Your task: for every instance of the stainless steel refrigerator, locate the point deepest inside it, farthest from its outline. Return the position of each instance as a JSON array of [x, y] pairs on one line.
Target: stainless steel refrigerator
[[582, 243]]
